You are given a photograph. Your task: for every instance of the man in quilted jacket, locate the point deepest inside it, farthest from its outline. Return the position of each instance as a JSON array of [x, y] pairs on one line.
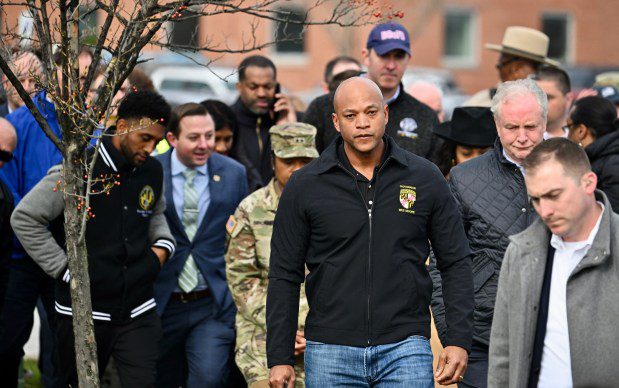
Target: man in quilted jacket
[[492, 197]]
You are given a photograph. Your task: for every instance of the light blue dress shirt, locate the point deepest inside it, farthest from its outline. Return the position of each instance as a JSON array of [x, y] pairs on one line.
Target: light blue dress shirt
[[201, 185]]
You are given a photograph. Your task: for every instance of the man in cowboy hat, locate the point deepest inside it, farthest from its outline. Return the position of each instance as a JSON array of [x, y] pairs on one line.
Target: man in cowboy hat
[[523, 50]]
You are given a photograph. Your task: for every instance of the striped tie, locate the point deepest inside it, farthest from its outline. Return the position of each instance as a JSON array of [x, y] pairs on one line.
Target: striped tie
[[188, 279]]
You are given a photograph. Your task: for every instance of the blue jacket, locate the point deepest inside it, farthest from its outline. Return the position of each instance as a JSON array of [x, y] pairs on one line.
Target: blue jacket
[[34, 155], [209, 243]]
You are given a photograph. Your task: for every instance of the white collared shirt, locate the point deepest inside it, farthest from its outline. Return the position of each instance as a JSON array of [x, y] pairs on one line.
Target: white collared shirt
[[513, 161], [394, 97], [556, 368]]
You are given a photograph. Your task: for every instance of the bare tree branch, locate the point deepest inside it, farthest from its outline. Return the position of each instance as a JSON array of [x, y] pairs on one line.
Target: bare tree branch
[[8, 72]]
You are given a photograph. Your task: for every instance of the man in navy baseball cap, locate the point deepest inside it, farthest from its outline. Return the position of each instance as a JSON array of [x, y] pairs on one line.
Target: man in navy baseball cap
[[388, 37], [386, 56]]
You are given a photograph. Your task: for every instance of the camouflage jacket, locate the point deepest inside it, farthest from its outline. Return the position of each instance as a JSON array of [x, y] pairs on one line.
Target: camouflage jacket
[[247, 271]]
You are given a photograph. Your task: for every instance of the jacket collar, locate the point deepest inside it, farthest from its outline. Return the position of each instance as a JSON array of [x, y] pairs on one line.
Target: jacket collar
[[329, 158], [177, 167], [112, 157], [396, 96], [246, 116], [498, 152], [271, 199], [538, 235]]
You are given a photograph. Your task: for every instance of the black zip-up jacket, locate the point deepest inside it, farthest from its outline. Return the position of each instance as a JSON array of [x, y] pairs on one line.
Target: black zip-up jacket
[[368, 283], [410, 123], [127, 223], [604, 156], [252, 145]]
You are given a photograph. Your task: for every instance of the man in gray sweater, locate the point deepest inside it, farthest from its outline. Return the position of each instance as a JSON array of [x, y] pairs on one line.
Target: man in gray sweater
[[127, 239]]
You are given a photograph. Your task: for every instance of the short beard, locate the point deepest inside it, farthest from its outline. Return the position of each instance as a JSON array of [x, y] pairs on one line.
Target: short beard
[[127, 154]]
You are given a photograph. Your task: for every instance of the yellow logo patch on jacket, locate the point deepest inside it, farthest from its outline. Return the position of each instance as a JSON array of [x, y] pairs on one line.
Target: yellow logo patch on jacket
[[147, 198]]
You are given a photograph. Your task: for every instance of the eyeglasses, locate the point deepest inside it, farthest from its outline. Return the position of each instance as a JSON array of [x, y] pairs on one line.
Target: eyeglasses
[[501, 65], [5, 156], [566, 128]]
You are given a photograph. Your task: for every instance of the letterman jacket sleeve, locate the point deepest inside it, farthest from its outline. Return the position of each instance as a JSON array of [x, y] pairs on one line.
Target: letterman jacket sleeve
[[30, 222], [453, 260], [286, 273], [158, 230]]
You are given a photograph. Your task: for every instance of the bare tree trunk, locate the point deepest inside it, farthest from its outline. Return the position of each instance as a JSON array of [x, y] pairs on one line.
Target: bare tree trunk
[[83, 328]]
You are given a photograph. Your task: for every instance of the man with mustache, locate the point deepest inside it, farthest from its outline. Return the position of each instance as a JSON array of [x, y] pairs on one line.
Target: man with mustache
[[260, 106]]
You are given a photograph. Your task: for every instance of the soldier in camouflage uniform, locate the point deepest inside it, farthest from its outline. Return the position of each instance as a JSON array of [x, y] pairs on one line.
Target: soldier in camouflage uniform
[[249, 249]]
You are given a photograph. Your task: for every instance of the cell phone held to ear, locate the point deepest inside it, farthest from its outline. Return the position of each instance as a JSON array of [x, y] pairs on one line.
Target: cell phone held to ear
[[278, 90]]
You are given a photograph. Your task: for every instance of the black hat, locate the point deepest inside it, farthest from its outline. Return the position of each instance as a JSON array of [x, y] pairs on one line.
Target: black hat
[[471, 126]]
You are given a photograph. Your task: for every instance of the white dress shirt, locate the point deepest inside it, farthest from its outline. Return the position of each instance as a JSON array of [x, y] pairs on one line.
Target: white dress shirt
[[556, 369]]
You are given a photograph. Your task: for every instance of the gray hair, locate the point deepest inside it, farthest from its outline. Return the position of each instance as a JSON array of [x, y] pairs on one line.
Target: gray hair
[[509, 90]]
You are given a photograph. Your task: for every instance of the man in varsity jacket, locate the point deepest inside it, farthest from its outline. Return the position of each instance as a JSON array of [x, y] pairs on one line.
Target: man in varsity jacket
[[127, 238]]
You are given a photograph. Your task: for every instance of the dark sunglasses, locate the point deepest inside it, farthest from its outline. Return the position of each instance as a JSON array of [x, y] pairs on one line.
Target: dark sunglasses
[[5, 156]]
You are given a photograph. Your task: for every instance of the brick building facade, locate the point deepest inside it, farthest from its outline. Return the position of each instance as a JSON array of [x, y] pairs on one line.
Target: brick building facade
[[447, 34]]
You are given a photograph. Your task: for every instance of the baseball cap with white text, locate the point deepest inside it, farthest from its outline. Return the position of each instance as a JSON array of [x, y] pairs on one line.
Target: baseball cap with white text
[[387, 37]]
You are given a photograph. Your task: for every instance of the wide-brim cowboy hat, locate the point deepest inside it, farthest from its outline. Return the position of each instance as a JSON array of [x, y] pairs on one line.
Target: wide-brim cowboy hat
[[471, 126], [526, 43]]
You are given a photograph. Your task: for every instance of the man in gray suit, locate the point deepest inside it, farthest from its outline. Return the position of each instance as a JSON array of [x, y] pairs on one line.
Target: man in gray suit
[[556, 306]]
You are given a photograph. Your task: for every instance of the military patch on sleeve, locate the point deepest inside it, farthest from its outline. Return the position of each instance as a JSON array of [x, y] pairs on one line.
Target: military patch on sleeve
[[231, 224]]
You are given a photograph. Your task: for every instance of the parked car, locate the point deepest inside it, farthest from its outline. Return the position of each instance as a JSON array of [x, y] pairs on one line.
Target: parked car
[[187, 77], [182, 84]]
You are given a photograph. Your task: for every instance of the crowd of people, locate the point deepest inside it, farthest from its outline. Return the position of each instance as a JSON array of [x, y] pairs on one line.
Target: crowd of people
[[254, 245]]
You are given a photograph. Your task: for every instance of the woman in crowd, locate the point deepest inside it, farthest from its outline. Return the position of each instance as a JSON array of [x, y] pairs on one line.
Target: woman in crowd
[[470, 133], [594, 126], [225, 125]]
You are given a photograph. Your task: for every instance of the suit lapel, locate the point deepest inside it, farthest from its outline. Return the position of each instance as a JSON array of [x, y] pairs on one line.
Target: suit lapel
[[169, 193], [215, 186]]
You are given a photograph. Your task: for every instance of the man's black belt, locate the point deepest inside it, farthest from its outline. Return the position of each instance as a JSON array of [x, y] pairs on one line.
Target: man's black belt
[[190, 296]]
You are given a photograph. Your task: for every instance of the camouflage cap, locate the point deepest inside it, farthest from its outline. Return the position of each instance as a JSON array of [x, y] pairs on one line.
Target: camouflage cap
[[294, 140]]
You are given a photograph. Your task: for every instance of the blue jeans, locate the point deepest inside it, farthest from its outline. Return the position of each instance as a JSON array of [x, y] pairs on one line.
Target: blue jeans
[[197, 347], [403, 364]]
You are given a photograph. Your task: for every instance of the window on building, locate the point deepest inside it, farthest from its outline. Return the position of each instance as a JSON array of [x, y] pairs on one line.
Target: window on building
[[89, 26], [459, 37], [290, 37], [185, 30], [557, 26]]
